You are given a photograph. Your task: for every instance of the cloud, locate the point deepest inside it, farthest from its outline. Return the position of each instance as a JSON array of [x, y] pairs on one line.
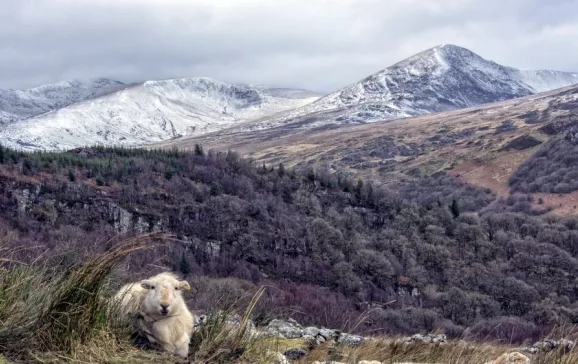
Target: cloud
[[315, 44]]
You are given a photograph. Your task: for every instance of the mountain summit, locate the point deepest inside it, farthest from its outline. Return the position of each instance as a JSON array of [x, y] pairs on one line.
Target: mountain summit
[[442, 78]]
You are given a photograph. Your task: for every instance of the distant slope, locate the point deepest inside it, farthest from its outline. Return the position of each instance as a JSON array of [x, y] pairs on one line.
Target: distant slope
[[484, 144], [150, 112], [542, 81], [443, 78], [21, 104]]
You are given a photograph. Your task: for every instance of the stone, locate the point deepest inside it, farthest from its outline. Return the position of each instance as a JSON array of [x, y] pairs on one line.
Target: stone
[[369, 362], [548, 345], [530, 350], [327, 334], [294, 322], [279, 359], [352, 340], [428, 339], [283, 329], [311, 331], [295, 354], [511, 358], [199, 320]]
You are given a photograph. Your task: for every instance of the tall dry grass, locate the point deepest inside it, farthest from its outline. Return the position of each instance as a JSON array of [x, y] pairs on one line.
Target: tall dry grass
[[51, 314]]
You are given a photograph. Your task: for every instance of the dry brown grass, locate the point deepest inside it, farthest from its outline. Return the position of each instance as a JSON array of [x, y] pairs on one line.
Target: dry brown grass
[[62, 317]]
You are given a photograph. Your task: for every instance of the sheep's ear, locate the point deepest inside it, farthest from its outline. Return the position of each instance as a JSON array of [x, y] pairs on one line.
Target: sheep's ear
[[146, 284], [185, 285]]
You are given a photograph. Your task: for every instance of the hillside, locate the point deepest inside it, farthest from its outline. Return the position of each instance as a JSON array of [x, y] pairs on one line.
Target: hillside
[[150, 112], [442, 78], [327, 244], [484, 145]]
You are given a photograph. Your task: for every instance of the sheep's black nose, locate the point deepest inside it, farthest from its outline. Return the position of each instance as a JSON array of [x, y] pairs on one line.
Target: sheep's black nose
[[164, 305]]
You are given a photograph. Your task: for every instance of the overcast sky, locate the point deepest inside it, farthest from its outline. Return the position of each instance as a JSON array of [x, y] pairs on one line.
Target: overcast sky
[[315, 44]]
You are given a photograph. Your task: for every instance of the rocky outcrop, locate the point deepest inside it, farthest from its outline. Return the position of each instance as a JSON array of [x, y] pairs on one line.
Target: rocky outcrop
[[428, 339], [291, 329], [547, 345]]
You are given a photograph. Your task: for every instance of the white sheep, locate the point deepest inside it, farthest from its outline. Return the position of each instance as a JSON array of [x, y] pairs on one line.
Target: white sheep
[[161, 312]]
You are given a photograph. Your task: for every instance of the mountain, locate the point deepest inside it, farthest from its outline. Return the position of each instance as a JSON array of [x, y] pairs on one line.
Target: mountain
[[442, 78], [151, 112], [484, 144], [22, 104], [70, 115]]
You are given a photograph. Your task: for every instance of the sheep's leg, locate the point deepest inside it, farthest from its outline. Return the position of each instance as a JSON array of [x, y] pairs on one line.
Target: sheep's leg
[[151, 338], [182, 346], [147, 330]]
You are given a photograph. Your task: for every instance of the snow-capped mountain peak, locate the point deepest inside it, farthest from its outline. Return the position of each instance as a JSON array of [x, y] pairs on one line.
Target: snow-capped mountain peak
[[149, 112], [77, 113], [442, 78]]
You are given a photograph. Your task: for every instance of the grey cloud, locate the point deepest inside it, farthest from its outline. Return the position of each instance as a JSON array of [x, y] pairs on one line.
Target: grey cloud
[[316, 44]]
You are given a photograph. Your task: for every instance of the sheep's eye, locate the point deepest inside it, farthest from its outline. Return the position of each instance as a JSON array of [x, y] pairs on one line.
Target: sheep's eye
[[152, 287], [177, 288]]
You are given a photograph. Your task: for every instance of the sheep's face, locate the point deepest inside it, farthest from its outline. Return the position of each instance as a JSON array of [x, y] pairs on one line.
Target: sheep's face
[[164, 294]]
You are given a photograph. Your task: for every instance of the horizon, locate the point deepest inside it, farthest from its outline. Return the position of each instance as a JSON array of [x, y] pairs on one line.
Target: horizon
[[248, 83]]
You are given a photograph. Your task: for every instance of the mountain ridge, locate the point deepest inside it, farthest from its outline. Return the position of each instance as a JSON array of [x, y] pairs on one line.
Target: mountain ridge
[[149, 112], [19, 104], [442, 78]]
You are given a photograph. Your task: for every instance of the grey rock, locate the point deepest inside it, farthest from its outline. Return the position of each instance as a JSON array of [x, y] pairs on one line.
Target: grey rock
[[548, 345], [284, 329], [295, 354], [428, 339], [530, 350], [310, 331], [279, 359], [352, 340], [327, 334]]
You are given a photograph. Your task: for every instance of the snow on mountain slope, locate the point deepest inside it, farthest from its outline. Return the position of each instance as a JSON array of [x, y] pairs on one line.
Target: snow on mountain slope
[[150, 112], [443, 78], [21, 104], [542, 81]]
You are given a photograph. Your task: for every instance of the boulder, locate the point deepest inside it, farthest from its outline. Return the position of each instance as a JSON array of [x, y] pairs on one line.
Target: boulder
[[311, 331], [284, 329]]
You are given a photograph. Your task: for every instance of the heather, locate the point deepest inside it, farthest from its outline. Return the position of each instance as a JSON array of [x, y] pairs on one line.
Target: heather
[[326, 246]]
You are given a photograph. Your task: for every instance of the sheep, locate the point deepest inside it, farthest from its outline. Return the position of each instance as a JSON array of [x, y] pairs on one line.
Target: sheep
[[161, 312]]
